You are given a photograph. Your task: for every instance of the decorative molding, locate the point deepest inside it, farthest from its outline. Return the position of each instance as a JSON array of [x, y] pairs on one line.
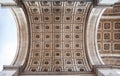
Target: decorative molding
[[91, 36]]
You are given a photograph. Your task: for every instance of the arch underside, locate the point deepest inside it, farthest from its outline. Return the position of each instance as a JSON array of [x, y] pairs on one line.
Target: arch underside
[[108, 36], [57, 36], [65, 37]]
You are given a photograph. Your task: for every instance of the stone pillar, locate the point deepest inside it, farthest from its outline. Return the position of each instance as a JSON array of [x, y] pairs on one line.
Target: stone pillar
[[10, 71], [108, 72], [7, 4]]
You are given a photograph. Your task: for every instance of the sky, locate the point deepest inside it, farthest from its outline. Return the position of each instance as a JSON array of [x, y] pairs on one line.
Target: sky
[[107, 1], [6, 0], [8, 34], [8, 37]]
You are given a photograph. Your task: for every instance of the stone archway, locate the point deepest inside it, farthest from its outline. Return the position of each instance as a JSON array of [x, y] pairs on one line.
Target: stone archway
[[56, 38], [57, 31]]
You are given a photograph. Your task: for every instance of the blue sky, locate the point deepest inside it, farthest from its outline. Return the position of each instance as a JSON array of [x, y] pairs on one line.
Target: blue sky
[[107, 1], [8, 37], [6, 0]]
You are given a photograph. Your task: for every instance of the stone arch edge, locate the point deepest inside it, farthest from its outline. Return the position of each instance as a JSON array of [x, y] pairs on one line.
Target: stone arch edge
[[22, 43]]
